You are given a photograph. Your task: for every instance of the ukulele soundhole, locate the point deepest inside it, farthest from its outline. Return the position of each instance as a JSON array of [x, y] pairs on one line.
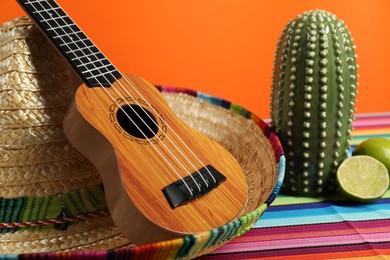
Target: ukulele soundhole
[[137, 121]]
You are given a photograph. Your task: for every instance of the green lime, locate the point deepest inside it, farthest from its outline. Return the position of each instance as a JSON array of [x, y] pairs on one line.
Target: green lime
[[363, 178], [379, 148]]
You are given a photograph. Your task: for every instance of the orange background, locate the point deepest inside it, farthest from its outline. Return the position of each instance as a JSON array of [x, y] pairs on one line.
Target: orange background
[[224, 48]]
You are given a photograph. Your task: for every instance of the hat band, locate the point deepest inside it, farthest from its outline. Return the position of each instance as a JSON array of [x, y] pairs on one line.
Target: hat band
[[58, 210]]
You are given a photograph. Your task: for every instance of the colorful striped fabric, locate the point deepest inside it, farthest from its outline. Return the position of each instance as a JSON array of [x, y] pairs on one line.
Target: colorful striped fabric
[[321, 228], [25, 211]]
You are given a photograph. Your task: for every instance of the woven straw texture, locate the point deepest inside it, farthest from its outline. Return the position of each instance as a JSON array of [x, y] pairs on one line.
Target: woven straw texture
[[42, 176], [52, 198]]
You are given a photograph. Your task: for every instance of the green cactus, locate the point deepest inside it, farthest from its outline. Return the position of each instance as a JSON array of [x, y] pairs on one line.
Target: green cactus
[[313, 100]]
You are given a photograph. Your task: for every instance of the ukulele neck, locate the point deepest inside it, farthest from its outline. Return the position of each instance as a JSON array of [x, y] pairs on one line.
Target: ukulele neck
[[86, 59]]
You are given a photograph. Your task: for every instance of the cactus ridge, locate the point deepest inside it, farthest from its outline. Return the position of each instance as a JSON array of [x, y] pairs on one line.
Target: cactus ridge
[[313, 99]]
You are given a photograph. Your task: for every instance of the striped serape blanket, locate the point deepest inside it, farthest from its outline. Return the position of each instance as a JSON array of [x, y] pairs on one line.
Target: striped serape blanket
[[320, 228]]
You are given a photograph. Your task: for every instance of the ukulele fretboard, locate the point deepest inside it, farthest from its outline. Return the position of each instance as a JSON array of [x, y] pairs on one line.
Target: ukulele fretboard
[[88, 61]]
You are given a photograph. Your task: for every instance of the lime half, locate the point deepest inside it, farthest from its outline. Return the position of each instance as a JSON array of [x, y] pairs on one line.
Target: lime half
[[363, 178]]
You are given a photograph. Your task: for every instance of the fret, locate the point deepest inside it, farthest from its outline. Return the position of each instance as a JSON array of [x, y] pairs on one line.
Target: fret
[[75, 42], [87, 56], [109, 76], [62, 27], [45, 6], [57, 22], [78, 49], [69, 30], [79, 45], [84, 52], [48, 24], [104, 60], [34, 1], [67, 40], [54, 18], [91, 61], [97, 68], [93, 67], [80, 59], [70, 35], [100, 78], [45, 11], [102, 74]]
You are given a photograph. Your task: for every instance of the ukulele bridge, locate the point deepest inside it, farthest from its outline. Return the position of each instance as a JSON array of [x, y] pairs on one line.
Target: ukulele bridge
[[177, 193]]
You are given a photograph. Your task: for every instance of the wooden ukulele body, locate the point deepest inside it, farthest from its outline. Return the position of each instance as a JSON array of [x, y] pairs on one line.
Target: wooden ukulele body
[[135, 170], [140, 163]]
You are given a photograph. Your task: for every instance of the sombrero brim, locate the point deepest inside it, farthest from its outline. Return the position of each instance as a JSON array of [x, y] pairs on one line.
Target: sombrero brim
[[89, 231]]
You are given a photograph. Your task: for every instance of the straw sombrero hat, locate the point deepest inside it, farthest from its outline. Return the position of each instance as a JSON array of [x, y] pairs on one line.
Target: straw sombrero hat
[[52, 198]]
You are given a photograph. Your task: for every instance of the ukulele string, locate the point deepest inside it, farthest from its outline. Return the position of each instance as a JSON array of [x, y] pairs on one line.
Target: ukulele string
[[200, 174], [120, 107], [177, 136], [156, 112]]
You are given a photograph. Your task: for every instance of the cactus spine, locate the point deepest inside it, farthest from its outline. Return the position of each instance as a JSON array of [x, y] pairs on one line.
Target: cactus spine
[[313, 100]]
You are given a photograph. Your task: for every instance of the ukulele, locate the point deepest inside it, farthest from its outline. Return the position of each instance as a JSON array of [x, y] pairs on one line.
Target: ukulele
[[162, 179]]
